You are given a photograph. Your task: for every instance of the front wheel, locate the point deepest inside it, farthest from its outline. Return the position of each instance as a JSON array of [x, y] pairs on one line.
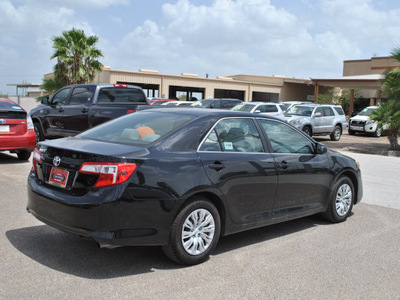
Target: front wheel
[[38, 131], [378, 132], [341, 201], [336, 133], [307, 130], [194, 233]]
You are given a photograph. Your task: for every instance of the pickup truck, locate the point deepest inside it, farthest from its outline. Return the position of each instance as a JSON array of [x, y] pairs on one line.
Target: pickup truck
[[76, 108]]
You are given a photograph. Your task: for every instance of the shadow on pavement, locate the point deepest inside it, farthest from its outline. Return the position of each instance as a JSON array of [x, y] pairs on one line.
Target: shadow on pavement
[[83, 258], [8, 158]]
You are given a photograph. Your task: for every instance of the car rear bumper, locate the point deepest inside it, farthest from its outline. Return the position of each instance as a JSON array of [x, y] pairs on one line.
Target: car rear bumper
[[110, 222], [26, 141]]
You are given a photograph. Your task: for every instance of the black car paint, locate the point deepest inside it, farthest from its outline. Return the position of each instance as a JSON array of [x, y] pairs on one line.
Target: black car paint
[[141, 210], [63, 119]]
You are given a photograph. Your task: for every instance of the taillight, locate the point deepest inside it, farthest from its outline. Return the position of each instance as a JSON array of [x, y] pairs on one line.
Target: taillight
[[109, 173], [37, 158], [30, 123], [130, 111], [120, 85]]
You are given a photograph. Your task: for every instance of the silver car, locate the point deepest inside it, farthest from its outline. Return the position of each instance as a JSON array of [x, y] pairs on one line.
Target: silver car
[[318, 119]]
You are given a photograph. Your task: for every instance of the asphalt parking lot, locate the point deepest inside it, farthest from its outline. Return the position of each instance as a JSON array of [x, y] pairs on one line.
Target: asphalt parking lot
[[306, 258]]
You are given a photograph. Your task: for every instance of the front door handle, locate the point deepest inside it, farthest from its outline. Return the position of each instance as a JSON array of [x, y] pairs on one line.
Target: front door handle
[[218, 166], [283, 165]]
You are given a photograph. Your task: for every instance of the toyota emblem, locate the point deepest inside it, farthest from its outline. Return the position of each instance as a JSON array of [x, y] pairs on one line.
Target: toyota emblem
[[56, 161], [2, 121]]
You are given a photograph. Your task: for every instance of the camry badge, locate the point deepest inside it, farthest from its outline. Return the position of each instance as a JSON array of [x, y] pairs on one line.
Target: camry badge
[[56, 161], [2, 121]]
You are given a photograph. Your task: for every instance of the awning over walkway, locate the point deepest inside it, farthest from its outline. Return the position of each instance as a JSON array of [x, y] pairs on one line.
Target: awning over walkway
[[360, 82]]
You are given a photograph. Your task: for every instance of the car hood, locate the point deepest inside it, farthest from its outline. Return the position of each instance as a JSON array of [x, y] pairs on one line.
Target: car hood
[[289, 118], [360, 118], [94, 147]]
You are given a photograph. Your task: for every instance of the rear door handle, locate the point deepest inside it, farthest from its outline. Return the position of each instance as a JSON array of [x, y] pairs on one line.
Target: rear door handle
[[85, 110], [216, 166]]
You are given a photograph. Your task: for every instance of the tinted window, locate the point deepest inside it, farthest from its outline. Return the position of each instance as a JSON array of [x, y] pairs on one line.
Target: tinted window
[[328, 111], [9, 105], [233, 135], [82, 95], [285, 139], [320, 110], [136, 129], [270, 108], [61, 96], [120, 94], [339, 110]]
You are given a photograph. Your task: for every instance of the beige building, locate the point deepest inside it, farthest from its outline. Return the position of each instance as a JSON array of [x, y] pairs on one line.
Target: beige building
[[362, 77], [244, 87]]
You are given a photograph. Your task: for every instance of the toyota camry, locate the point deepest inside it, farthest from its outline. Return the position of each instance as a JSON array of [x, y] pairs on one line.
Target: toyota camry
[[181, 178]]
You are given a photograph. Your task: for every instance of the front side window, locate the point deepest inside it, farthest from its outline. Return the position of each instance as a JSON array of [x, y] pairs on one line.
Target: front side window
[[61, 96], [328, 111], [233, 135], [285, 139]]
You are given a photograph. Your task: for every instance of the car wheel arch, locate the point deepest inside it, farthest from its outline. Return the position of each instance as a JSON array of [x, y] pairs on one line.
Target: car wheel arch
[[350, 174], [214, 199]]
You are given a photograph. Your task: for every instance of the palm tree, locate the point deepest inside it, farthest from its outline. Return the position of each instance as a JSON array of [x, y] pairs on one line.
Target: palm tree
[[77, 59], [389, 112]]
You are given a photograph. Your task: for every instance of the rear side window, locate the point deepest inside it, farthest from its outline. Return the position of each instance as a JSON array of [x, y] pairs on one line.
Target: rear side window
[[339, 110], [120, 95], [233, 135], [82, 95]]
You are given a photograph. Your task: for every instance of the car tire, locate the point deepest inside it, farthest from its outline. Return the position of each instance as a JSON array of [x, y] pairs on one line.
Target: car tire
[[336, 133], [307, 130], [352, 132], [341, 200], [198, 221], [24, 155], [38, 131], [378, 132]]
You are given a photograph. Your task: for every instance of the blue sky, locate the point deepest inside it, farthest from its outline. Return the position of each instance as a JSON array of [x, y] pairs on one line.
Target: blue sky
[[302, 39]]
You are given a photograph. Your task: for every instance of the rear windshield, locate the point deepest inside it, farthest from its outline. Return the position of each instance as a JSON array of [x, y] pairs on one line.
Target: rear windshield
[[121, 94], [141, 128], [9, 106]]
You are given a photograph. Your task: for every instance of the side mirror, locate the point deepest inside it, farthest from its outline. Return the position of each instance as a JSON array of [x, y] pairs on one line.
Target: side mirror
[[44, 100], [318, 114], [321, 148]]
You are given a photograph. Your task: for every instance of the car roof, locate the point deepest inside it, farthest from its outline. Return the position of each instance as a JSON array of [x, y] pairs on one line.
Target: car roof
[[201, 112]]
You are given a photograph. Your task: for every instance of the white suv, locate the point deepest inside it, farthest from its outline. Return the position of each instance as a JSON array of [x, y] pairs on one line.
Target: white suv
[[363, 123], [267, 108], [318, 119]]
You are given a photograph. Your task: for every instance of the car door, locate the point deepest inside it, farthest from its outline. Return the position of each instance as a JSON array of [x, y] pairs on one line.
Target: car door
[[55, 110], [304, 177], [75, 114], [329, 119], [234, 160]]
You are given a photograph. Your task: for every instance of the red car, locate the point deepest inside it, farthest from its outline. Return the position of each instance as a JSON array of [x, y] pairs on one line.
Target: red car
[[17, 133]]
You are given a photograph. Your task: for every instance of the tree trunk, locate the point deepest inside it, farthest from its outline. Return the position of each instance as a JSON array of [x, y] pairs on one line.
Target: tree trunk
[[393, 139]]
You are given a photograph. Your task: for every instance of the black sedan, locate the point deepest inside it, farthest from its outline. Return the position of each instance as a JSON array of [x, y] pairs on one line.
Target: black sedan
[[181, 178]]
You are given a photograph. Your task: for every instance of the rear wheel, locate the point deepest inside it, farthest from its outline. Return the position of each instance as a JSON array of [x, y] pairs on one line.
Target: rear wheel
[[24, 155], [341, 201], [336, 133], [194, 233]]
